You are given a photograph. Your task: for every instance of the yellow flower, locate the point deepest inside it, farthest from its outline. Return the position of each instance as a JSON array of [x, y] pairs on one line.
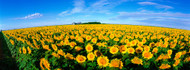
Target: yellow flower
[[29, 51], [136, 60], [91, 56], [44, 62], [116, 39], [116, 63], [55, 55], [54, 47], [155, 50], [69, 56], [146, 48], [133, 43], [72, 44], [140, 44], [60, 52], [123, 49], [165, 66], [24, 50], [88, 38], [12, 42], [89, 48], [114, 50], [77, 48], [139, 49], [169, 52], [80, 58], [147, 55], [176, 62], [46, 47], [97, 53], [103, 61], [131, 50], [126, 41], [112, 36], [20, 50], [177, 55], [94, 40]]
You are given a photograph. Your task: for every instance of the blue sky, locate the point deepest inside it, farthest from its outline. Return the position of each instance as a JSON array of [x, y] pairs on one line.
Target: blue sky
[[31, 13]]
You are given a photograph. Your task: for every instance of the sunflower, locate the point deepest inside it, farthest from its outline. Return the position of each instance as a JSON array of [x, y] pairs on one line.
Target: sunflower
[[116, 39], [136, 60], [89, 48], [29, 50], [126, 41], [176, 62], [177, 55], [12, 42], [44, 62], [169, 52], [147, 55], [97, 53], [114, 50], [140, 44], [155, 50], [55, 55], [88, 38], [165, 66], [116, 63], [69, 56], [103, 61], [144, 40], [139, 49], [24, 50], [131, 50], [146, 48], [72, 44], [46, 47], [80, 58], [94, 40], [77, 48], [133, 43], [152, 44], [112, 36], [54, 47], [20, 50], [60, 52], [91, 56], [123, 49]]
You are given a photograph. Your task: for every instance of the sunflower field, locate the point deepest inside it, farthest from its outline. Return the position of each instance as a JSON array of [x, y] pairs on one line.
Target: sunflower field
[[99, 46]]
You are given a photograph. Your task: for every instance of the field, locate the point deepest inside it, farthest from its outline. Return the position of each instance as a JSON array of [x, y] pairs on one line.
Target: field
[[99, 46]]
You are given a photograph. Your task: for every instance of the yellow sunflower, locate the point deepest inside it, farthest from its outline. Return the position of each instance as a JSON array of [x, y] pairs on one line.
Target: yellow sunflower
[[147, 55], [123, 49], [91, 56], [89, 48], [80, 58], [139, 49], [114, 50], [131, 50], [165, 66], [116, 63], [136, 60], [77, 48], [24, 50], [60, 52], [29, 50], [103, 61], [54, 47], [97, 53]]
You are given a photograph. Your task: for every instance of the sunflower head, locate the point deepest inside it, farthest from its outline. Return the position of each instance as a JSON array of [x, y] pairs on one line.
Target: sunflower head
[[114, 50], [147, 55], [137, 60], [116, 63], [24, 50], [72, 44], [89, 47], [103, 61], [54, 47], [164, 66], [77, 48], [123, 49], [90, 56], [80, 58], [131, 50], [139, 49], [60, 52], [97, 53]]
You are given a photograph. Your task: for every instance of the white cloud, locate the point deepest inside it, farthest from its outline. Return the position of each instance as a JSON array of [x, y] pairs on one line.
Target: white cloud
[[100, 6], [31, 16], [156, 5]]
